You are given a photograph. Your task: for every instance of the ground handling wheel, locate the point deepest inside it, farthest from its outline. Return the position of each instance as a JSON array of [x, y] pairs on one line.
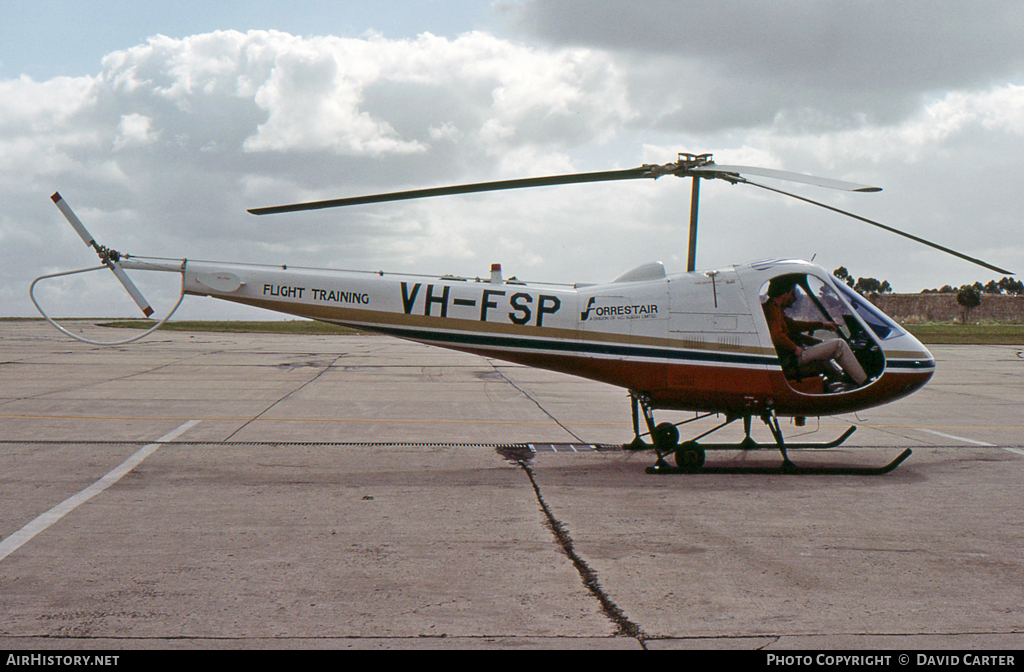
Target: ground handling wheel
[[665, 437], [690, 456]]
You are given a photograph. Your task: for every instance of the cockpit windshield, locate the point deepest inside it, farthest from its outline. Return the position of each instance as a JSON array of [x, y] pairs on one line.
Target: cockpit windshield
[[879, 322]]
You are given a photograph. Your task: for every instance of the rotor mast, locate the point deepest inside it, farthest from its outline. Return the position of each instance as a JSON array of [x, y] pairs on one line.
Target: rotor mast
[[687, 162]]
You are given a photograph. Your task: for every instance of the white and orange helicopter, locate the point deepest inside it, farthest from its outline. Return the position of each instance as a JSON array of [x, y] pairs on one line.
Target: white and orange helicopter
[[697, 341]]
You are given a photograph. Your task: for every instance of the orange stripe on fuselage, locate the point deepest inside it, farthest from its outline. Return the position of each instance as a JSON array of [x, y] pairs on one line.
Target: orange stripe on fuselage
[[696, 386]]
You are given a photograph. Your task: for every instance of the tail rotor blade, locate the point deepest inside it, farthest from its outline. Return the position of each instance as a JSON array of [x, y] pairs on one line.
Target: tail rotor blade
[[73, 219], [109, 257], [136, 295]]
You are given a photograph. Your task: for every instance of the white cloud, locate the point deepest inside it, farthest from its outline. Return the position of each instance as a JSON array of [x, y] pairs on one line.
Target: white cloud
[[736, 63], [190, 131], [134, 129], [39, 107], [162, 151], [938, 127]]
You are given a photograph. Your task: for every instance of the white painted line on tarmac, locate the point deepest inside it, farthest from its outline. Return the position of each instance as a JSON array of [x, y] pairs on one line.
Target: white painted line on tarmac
[[977, 443], [959, 438], [25, 534]]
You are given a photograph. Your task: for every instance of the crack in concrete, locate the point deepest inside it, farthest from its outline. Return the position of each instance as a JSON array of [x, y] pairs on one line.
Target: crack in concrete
[[537, 403], [297, 389], [624, 626]]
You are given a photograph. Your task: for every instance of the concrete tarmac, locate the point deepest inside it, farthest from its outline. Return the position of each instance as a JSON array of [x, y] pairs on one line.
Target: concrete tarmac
[[201, 490]]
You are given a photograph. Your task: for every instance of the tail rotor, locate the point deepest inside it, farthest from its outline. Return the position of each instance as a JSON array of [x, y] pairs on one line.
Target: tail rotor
[[110, 258]]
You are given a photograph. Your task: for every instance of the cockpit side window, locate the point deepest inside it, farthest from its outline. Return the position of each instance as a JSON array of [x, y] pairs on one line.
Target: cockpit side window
[[812, 300], [879, 322], [829, 300]]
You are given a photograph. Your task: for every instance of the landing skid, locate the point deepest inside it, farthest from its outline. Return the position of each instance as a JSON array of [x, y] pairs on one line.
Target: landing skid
[[787, 469], [750, 444], [690, 455]]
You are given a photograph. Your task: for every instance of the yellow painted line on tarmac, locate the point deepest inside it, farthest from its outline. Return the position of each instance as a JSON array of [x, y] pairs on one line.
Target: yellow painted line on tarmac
[[425, 421], [940, 426], [462, 422]]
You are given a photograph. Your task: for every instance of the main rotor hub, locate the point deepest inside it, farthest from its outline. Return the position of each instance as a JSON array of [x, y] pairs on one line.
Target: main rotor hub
[[682, 167], [688, 161]]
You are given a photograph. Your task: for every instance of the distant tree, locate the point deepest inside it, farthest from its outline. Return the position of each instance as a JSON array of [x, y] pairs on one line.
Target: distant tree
[[843, 275], [969, 298], [945, 289], [1006, 285], [866, 286], [872, 286], [1011, 286]]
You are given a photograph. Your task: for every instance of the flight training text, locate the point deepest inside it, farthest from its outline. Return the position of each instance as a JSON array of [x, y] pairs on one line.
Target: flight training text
[[327, 295]]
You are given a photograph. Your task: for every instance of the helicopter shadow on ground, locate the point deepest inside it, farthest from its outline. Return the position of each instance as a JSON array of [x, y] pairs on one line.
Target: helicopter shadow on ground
[[848, 467]]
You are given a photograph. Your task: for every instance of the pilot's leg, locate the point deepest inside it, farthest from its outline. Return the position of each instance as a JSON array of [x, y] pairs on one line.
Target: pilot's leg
[[839, 350]]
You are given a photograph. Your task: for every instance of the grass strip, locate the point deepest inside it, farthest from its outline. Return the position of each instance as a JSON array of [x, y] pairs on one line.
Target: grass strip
[[933, 333]]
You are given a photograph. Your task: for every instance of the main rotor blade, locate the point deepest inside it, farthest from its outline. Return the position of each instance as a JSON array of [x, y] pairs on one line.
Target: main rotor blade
[[890, 229], [573, 178], [784, 175]]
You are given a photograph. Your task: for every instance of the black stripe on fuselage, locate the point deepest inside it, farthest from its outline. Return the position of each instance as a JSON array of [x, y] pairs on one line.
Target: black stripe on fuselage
[[592, 348], [910, 364], [570, 347]]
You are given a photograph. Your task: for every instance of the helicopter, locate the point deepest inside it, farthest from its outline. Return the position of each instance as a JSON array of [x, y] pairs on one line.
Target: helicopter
[[697, 341]]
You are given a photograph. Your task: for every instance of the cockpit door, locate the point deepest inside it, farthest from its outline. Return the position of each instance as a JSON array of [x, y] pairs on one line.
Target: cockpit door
[[816, 300]]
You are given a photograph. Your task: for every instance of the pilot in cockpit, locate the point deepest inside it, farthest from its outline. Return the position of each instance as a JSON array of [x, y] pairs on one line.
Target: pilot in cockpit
[[787, 333]]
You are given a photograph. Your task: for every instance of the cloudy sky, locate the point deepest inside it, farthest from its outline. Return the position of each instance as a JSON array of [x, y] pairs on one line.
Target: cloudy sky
[[161, 122]]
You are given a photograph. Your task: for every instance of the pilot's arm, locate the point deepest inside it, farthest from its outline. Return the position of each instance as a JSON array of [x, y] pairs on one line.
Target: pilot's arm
[[780, 329]]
